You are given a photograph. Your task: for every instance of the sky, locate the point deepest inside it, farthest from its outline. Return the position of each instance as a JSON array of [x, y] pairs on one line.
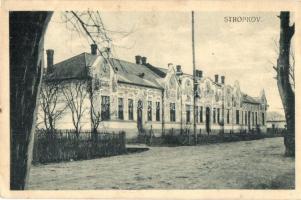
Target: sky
[[244, 51]]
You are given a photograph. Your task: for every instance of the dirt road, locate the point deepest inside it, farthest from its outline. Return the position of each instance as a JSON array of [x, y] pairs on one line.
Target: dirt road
[[247, 164]]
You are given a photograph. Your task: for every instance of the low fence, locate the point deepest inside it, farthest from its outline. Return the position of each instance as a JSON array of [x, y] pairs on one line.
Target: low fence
[[186, 137], [276, 131], [67, 145]]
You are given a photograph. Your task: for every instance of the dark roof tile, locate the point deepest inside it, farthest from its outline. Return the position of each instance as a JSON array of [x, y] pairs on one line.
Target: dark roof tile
[[135, 73], [72, 68], [132, 73], [248, 99], [158, 70]]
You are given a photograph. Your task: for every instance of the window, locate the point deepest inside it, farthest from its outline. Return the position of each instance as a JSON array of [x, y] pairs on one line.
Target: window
[[196, 114], [249, 118], [252, 118], [201, 114], [237, 116], [157, 111], [263, 120], [105, 108], [218, 115], [214, 115], [188, 113], [228, 116], [256, 118], [172, 112], [131, 107], [149, 111], [246, 117], [242, 117], [120, 108]]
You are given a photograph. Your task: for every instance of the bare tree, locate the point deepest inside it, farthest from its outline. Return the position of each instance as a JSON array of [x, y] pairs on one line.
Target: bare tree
[[292, 62], [292, 69], [95, 114], [284, 76], [75, 93], [26, 31], [90, 25], [49, 102]]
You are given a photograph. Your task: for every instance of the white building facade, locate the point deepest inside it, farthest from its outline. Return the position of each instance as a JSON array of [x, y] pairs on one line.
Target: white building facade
[[138, 97]]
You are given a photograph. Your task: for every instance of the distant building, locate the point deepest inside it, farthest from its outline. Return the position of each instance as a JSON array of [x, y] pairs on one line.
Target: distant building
[[276, 124], [136, 96], [275, 120]]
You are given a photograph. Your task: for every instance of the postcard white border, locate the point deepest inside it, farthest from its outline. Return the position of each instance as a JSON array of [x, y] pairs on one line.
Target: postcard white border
[[138, 5]]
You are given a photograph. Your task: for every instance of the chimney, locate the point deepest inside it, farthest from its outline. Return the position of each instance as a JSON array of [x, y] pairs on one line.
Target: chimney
[[216, 78], [196, 73], [138, 59], [49, 53], [143, 60], [94, 49], [200, 73], [170, 65], [179, 68], [223, 79]]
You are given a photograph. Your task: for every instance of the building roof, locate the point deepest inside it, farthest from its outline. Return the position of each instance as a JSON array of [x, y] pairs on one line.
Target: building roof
[[158, 70], [147, 75], [72, 68], [127, 72], [133, 73], [248, 99]]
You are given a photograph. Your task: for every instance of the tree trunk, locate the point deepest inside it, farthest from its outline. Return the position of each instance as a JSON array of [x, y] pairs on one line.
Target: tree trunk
[[26, 31], [284, 86], [51, 127]]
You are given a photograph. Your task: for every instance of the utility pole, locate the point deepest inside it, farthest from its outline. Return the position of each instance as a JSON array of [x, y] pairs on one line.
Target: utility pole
[[223, 109], [194, 79], [232, 113]]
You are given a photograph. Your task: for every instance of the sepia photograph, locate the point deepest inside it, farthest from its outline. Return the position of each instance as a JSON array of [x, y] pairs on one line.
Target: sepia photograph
[[151, 100]]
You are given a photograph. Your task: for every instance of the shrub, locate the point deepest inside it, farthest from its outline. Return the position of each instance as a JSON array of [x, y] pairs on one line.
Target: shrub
[[67, 145]]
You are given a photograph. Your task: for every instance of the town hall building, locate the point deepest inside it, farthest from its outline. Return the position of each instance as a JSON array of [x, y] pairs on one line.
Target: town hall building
[[137, 96]]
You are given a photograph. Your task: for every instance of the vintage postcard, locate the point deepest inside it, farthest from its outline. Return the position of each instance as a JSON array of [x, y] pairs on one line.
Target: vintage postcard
[[149, 99]]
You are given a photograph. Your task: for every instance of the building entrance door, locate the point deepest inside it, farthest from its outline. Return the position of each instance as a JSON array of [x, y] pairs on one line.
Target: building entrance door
[[139, 115], [207, 120]]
